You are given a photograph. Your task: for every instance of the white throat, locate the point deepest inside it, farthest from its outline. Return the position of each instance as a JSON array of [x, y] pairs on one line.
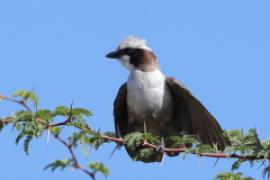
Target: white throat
[[146, 91], [125, 61]]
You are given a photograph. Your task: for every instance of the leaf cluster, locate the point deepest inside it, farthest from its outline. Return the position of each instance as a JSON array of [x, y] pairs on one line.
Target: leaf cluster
[[252, 149], [32, 122]]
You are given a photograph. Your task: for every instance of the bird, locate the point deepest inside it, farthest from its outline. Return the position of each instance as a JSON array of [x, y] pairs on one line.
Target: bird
[[158, 102]]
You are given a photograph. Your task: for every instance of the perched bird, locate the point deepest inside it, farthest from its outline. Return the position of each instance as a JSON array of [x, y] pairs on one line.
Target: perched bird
[[161, 103]]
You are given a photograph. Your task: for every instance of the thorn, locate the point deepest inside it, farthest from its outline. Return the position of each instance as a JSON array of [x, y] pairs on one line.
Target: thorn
[[98, 135], [33, 89], [70, 112], [98, 131], [161, 147], [162, 159], [71, 105], [114, 149], [216, 162], [48, 135]]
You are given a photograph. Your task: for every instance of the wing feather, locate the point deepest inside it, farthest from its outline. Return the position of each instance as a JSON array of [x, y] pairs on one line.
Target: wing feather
[[120, 111], [192, 117]]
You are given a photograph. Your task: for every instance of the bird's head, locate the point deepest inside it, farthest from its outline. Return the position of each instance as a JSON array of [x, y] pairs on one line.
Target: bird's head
[[133, 53]]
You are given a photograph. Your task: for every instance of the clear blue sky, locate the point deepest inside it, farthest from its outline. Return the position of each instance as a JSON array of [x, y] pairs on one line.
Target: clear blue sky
[[219, 49]]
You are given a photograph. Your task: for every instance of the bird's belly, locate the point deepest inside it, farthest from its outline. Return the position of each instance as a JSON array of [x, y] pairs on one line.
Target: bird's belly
[[142, 101], [151, 107]]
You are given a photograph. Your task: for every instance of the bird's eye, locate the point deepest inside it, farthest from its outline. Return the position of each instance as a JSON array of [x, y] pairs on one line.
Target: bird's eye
[[129, 50]]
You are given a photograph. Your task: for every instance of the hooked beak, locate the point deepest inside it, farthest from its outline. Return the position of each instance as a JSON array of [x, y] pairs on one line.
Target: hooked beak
[[113, 55]]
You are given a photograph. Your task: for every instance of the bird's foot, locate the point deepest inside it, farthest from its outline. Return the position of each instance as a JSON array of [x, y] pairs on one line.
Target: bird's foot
[[161, 146]]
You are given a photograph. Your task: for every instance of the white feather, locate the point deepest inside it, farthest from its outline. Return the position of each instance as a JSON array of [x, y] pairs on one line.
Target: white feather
[[125, 61], [147, 92], [134, 42]]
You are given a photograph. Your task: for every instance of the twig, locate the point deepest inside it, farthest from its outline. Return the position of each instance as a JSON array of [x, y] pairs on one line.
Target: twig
[[76, 163], [120, 140], [20, 102]]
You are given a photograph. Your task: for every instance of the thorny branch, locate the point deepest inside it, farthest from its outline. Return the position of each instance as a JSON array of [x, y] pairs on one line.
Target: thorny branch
[[120, 141], [20, 102], [117, 140], [76, 163]]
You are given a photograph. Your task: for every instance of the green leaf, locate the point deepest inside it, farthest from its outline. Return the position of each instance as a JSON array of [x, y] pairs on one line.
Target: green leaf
[[111, 134], [235, 135], [236, 165], [61, 164], [26, 143], [202, 148], [95, 140], [55, 130], [96, 166], [27, 95], [81, 112], [78, 114], [232, 176], [23, 116], [265, 149], [25, 121], [266, 172], [61, 111], [133, 144], [44, 114], [19, 137], [133, 140], [146, 154], [75, 137]]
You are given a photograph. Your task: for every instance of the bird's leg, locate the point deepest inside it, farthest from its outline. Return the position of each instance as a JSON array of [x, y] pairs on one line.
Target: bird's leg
[[144, 131], [161, 146], [144, 127]]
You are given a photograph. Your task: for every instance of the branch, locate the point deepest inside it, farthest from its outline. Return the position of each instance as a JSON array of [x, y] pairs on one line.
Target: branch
[[20, 102], [259, 150], [76, 163], [121, 140]]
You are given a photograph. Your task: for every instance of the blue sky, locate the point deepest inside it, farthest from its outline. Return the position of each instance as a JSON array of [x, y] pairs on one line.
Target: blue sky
[[218, 49]]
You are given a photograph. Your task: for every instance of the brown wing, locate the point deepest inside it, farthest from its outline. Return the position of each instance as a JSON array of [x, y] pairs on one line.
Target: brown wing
[[120, 111], [121, 127], [191, 117]]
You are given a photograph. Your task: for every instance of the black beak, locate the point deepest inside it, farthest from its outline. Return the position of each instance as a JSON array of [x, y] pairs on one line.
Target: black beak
[[113, 55]]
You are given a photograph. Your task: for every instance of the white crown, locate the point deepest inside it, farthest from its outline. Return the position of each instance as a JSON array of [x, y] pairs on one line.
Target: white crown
[[134, 42]]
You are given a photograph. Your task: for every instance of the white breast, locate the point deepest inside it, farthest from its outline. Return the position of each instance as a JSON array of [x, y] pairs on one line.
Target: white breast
[[147, 92]]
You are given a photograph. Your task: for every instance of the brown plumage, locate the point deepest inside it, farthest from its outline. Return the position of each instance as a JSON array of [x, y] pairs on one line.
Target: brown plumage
[[161, 103], [189, 117]]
